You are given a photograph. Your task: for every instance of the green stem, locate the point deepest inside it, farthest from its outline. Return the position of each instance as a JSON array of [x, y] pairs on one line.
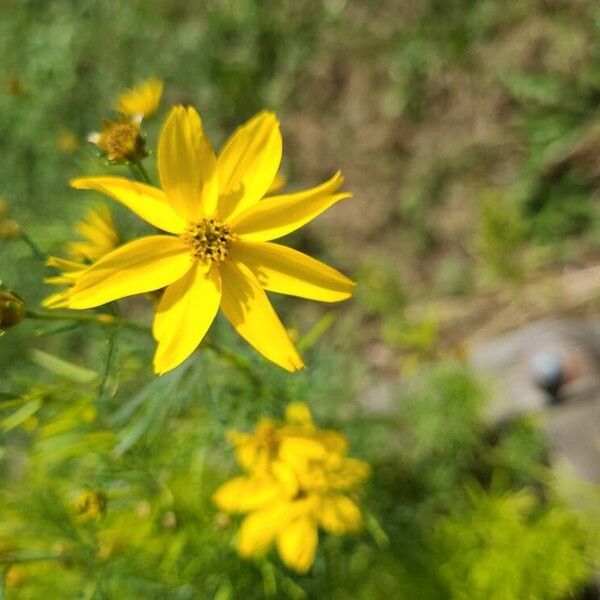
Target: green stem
[[144, 173], [34, 247], [107, 319], [98, 318], [114, 309], [235, 360], [136, 174], [11, 560]]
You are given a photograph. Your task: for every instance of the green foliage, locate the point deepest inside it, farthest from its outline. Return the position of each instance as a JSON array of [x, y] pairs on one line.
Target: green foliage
[[505, 546], [81, 415], [444, 427], [156, 456], [500, 238], [418, 338], [380, 289], [521, 452]]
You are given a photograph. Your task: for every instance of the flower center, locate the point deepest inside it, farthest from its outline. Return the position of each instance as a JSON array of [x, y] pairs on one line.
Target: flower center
[[122, 141], [208, 240]]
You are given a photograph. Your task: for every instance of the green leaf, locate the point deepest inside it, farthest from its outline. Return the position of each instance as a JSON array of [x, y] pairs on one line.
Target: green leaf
[[21, 415], [63, 368]]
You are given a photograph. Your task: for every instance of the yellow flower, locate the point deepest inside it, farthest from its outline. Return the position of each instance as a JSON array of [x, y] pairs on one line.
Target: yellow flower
[[219, 253], [100, 237], [298, 480], [142, 100]]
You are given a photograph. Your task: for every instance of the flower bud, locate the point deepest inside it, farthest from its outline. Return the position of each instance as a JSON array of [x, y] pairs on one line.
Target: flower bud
[[90, 504], [9, 229], [12, 308]]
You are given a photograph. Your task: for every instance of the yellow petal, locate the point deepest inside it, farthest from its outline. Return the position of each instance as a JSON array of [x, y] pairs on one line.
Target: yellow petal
[[286, 271], [332, 440], [143, 99], [277, 216], [146, 201], [64, 279], [244, 494], [351, 473], [144, 265], [259, 529], [298, 413], [299, 450], [248, 309], [286, 476], [100, 234], [338, 514], [297, 544], [184, 314], [248, 164], [187, 165], [65, 265], [57, 300], [277, 185]]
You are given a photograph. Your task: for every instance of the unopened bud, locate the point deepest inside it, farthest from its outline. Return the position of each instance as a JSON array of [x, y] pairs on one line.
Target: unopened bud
[[9, 229], [90, 504], [12, 308], [169, 521]]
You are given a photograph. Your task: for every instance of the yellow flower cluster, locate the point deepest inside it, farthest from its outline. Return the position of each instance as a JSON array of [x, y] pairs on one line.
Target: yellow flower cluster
[[298, 478]]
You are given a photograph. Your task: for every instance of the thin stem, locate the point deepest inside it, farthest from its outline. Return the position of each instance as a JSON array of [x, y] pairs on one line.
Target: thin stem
[[107, 319], [112, 338], [136, 174], [38, 253], [98, 318], [235, 360], [144, 173], [11, 560]]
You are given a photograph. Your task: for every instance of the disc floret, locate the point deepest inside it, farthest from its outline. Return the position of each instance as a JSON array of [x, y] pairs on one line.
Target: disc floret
[[121, 140], [208, 240]]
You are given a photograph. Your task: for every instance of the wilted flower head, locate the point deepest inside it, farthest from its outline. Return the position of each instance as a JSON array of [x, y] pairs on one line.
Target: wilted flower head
[[120, 140], [298, 479]]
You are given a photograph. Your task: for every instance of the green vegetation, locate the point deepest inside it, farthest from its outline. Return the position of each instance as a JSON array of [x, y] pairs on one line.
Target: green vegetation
[[468, 133]]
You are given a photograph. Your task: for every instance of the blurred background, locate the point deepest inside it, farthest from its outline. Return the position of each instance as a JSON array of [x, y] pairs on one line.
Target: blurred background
[[466, 368]]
